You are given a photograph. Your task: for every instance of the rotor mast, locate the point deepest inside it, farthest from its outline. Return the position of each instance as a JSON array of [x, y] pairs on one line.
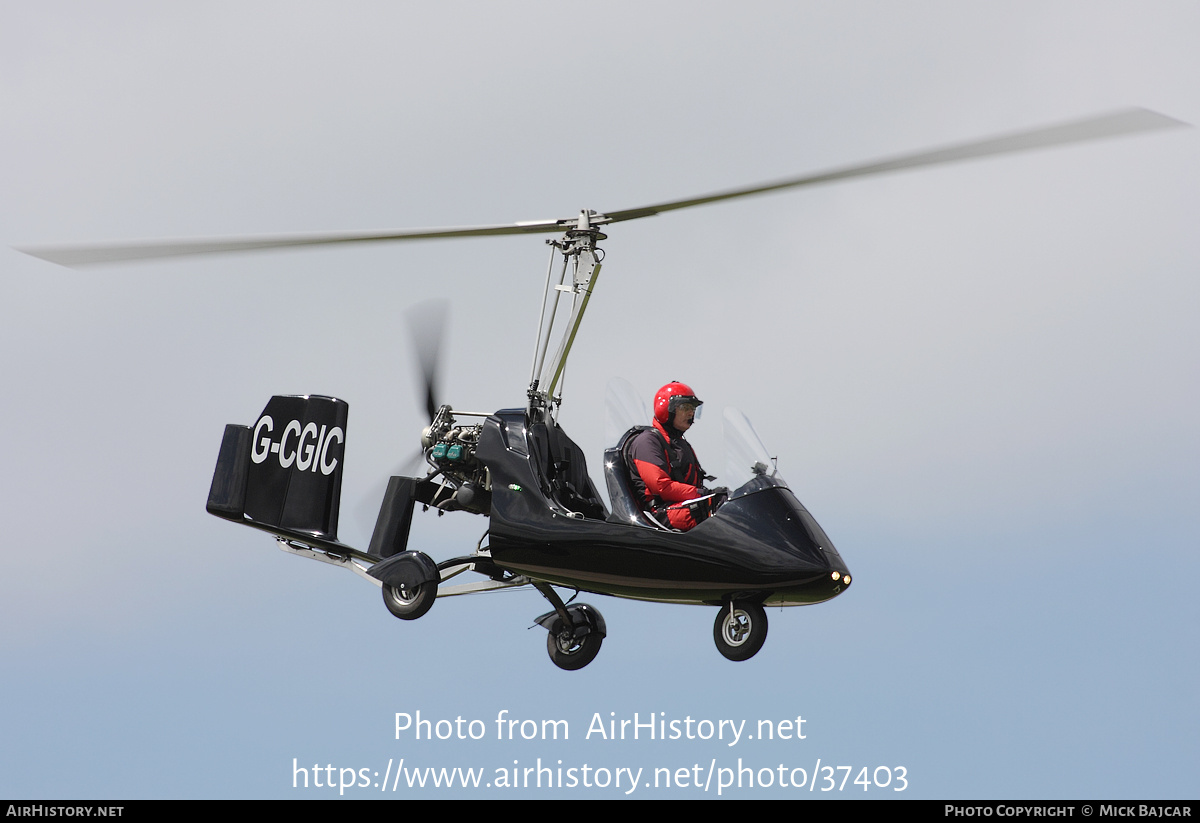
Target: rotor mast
[[581, 254]]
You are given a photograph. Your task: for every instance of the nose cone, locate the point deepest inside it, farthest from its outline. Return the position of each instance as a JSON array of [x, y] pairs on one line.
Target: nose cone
[[838, 577], [808, 568]]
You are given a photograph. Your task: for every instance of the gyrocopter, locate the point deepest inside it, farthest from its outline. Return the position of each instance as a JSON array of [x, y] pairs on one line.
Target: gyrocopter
[[546, 524]]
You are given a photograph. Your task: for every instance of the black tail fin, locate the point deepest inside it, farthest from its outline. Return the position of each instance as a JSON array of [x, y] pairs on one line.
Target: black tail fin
[[284, 473]]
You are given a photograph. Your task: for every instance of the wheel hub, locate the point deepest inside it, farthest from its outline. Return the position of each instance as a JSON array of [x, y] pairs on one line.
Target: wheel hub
[[404, 594], [567, 643], [737, 628]]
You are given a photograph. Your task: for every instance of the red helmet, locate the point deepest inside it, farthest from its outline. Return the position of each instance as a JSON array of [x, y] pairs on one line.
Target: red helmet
[[670, 397]]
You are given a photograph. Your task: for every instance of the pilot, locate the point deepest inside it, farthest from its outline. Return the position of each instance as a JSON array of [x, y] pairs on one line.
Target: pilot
[[668, 473]]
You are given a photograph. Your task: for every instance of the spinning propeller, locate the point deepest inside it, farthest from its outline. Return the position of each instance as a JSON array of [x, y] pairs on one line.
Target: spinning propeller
[[427, 325], [1129, 121]]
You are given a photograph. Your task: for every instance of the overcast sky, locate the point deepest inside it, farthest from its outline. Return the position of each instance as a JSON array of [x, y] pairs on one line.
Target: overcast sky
[[982, 379]]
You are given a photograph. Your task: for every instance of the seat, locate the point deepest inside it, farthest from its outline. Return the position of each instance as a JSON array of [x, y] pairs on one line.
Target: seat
[[566, 474], [625, 505]]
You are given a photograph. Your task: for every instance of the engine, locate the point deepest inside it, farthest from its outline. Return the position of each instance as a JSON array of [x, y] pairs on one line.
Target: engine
[[450, 451]]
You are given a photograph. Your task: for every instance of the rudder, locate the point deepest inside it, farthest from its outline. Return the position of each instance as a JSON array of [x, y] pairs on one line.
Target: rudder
[[284, 473]]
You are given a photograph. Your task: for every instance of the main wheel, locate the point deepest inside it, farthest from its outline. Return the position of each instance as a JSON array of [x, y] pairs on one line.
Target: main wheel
[[741, 631], [570, 652], [409, 603]]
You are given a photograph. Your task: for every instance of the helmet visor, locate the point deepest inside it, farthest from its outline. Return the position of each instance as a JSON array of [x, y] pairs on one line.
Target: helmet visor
[[685, 401]]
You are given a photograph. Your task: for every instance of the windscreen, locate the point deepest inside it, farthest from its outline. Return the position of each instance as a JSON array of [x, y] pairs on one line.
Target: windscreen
[[623, 409], [745, 455]]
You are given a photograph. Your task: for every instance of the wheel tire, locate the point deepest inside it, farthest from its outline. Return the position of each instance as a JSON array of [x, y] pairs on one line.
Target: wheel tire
[[409, 603], [740, 636], [569, 652]]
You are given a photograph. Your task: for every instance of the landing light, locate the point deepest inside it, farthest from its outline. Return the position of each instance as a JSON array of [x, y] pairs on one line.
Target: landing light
[[836, 576]]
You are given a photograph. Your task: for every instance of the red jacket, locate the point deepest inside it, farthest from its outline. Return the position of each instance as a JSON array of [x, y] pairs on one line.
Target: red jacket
[[668, 471]]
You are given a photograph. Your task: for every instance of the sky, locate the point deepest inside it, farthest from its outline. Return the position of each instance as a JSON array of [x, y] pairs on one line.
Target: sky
[[980, 378]]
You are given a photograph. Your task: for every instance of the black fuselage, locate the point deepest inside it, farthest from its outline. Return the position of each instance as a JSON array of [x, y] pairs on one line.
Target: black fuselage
[[762, 545]]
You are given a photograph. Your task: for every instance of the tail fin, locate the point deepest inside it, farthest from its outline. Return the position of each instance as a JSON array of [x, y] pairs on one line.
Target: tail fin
[[284, 473]]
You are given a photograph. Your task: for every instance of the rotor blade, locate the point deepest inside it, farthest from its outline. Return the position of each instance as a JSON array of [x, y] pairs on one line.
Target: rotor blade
[[79, 255], [1114, 124], [427, 324], [1129, 121]]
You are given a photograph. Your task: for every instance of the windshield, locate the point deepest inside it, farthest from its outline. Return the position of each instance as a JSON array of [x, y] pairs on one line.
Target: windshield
[[745, 455], [623, 409]]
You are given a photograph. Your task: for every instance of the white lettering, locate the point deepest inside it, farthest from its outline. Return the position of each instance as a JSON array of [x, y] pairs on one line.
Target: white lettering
[[309, 450], [327, 468], [316, 460], [255, 454], [304, 452], [286, 460]]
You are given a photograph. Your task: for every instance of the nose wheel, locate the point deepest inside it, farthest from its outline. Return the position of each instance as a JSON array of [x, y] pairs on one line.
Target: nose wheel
[[740, 630]]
